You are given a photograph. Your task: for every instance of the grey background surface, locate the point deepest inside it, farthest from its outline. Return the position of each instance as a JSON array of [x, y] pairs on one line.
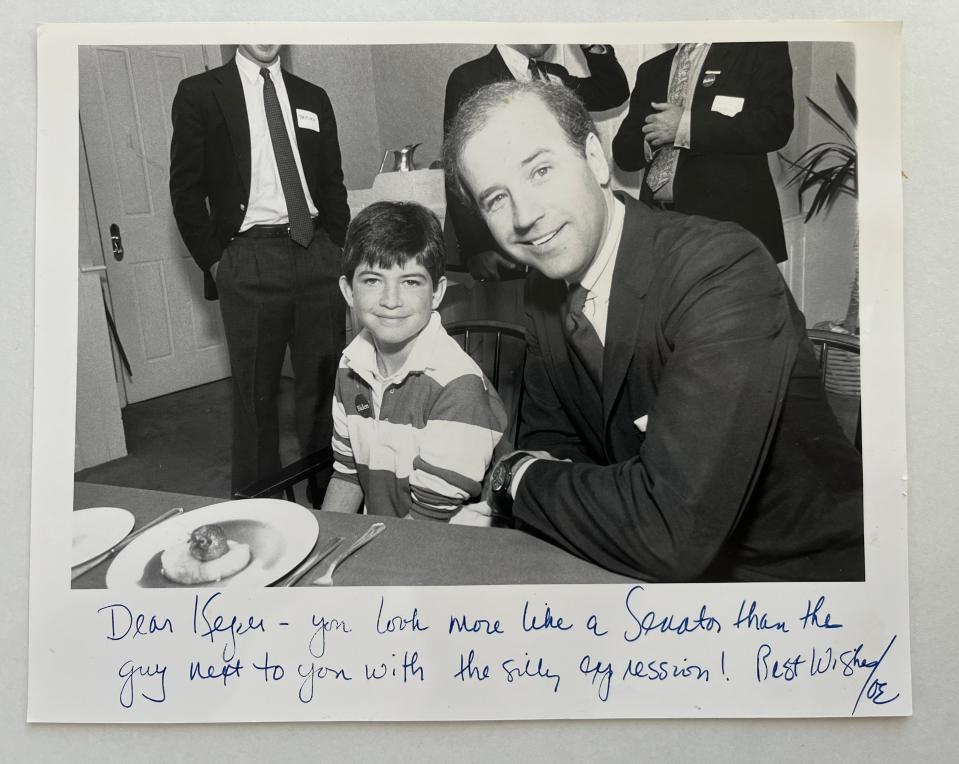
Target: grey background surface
[[929, 114]]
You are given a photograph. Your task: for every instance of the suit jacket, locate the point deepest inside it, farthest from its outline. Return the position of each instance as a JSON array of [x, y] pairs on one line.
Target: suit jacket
[[725, 172], [210, 160], [711, 452], [605, 88]]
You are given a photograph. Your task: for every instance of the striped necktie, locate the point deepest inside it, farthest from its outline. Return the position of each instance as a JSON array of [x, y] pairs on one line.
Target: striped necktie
[[536, 71], [301, 226]]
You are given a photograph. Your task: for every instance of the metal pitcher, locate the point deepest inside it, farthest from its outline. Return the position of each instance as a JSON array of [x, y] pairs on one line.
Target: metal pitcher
[[402, 158]]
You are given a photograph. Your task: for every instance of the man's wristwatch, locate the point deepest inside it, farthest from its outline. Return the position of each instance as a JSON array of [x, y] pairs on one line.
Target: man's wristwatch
[[500, 499], [503, 473]]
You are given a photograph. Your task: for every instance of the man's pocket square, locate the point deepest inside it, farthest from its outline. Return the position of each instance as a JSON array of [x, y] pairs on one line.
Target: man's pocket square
[[641, 422]]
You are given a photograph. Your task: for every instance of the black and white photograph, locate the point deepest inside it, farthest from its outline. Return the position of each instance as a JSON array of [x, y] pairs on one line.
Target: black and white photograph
[[495, 313], [479, 382], [466, 372]]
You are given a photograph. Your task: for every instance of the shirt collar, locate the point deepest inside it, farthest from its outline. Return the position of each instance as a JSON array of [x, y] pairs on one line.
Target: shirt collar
[[515, 61], [250, 71], [599, 275], [360, 354]]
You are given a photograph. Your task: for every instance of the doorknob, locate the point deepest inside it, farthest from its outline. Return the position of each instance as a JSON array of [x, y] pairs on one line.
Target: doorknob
[[116, 241]]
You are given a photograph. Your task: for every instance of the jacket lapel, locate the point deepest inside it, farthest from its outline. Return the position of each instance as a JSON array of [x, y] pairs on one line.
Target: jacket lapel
[[631, 278], [299, 99], [716, 61], [228, 90]]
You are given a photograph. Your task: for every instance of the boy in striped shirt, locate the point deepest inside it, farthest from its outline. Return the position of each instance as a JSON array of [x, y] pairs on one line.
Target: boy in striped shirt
[[415, 421]]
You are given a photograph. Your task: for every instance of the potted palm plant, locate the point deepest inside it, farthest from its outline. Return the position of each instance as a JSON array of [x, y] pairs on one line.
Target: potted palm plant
[[828, 171]]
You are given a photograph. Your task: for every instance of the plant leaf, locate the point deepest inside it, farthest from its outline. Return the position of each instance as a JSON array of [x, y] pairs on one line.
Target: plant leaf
[[848, 101], [829, 118]]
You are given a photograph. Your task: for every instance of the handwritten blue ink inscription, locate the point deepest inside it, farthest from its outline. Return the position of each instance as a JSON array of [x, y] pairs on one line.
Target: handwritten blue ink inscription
[[124, 623], [530, 668], [650, 621], [134, 676], [313, 673], [205, 628], [390, 624], [818, 662], [546, 622], [324, 626]]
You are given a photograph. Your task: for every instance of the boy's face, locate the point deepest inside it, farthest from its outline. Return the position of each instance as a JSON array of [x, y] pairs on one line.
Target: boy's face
[[393, 304]]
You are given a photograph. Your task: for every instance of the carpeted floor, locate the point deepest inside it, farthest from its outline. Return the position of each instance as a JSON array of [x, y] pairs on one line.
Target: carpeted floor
[[181, 442]]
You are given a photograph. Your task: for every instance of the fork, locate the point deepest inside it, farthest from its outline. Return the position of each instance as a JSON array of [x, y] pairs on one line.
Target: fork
[[309, 563], [372, 532]]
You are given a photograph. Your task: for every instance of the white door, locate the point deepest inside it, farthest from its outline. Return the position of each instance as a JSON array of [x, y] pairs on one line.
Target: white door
[[173, 338]]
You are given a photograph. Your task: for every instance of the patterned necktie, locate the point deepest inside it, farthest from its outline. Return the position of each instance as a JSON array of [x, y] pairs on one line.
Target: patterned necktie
[[581, 335], [663, 168], [301, 226], [536, 71]]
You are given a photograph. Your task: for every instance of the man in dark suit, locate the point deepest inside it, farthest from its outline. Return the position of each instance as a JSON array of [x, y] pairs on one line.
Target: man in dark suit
[[674, 425], [258, 195], [701, 121], [605, 88]]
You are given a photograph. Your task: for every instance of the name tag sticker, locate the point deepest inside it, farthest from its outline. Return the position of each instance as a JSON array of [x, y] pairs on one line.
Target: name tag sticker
[[308, 120], [728, 105]]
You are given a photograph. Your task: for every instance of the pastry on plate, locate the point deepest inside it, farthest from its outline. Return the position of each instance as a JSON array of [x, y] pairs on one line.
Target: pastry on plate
[[208, 556]]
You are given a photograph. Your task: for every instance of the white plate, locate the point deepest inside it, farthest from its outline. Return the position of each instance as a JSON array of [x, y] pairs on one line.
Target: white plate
[[97, 529], [280, 535]]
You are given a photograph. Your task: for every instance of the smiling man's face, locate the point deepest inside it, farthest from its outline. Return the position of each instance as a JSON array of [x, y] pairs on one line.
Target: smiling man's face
[[545, 202]]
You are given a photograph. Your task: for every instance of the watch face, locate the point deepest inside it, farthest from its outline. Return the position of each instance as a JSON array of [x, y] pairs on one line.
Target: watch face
[[500, 477]]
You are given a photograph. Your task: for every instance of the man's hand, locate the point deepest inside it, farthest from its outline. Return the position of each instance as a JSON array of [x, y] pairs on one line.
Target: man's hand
[[486, 265], [660, 127], [478, 515]]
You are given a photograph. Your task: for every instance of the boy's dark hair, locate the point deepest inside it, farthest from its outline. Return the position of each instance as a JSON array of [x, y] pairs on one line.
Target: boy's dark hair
[[474, 112], [386, 234]]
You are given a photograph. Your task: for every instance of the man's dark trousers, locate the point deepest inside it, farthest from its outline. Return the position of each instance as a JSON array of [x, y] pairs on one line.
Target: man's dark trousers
[[275, 293]]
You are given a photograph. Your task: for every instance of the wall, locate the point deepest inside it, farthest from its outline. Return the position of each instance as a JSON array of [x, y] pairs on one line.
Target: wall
[[410, 83], [830, 238], [338, 69], [99, 435]]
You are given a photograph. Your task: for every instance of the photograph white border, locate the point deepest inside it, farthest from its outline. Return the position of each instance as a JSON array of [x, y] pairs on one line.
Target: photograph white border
[[61, 691]]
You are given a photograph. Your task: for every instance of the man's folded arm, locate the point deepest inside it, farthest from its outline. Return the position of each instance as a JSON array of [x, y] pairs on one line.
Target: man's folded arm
[[607, 86]]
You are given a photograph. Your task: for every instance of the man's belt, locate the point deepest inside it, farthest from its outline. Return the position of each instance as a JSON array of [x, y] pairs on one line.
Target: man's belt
[[278, 231]]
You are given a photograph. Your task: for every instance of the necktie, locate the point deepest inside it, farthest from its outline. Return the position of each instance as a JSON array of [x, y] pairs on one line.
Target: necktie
[[536, 71], [301, 226], [663, 168], [581, 335]]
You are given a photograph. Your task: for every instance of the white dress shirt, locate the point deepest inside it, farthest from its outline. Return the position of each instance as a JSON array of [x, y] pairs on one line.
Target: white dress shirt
[[598, 283], [518, 65], [598, 280], [267, 205]]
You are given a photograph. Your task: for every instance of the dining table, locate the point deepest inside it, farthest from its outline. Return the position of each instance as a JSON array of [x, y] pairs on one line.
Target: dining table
[[406, 553]]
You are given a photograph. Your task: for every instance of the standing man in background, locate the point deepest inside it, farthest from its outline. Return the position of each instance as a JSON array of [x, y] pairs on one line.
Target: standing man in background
[[701, 121], [605, 88], [258, 195]]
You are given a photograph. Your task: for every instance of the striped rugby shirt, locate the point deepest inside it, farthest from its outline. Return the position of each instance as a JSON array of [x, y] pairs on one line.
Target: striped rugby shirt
[[420, 441]]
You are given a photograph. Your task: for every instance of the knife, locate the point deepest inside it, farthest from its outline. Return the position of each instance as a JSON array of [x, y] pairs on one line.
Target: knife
[[79, 570]]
